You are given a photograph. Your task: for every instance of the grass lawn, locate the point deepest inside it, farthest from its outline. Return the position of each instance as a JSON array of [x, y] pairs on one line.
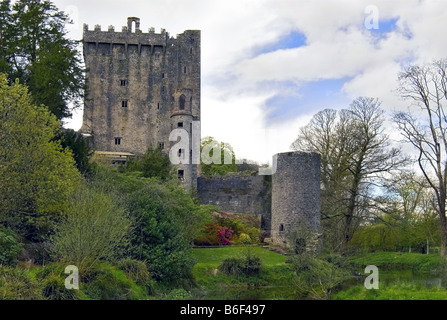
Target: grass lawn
[[421, 263], [214, 256], [274, 282]]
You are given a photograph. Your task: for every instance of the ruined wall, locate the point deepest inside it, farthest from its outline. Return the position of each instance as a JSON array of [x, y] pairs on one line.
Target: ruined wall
[[238, 194]]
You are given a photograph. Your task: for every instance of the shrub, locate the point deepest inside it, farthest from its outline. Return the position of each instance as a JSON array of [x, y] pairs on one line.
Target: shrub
[[17, 284], [107, 282], [316, 278], [138, 272], [178, 294], [159, 238], [250, 265], [224, 234], [52, 277], [10, 247], [100, 220]]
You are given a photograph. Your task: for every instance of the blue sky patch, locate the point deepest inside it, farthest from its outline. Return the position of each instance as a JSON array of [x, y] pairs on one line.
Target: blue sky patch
[[292, 40], [310, 98]]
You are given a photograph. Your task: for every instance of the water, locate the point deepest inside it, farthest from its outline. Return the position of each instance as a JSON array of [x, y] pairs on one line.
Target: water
[[387, 277]]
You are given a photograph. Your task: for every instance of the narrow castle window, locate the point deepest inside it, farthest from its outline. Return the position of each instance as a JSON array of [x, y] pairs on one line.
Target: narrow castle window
[[190, 50], [180, 152], [163, 75], [161, 145], [123, 83], [158, 105], [180, 125], [281, 227], [181, 174], [182, 101], [184, 69], [124, 103], [117, 141]]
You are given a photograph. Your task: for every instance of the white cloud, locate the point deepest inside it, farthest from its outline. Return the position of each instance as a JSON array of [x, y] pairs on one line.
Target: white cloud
[[234, 91]]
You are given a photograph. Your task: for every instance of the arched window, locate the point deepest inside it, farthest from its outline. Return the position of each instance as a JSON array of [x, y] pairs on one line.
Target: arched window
[[182, 101]]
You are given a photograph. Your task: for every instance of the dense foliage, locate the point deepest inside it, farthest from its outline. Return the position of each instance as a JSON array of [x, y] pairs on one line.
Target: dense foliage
[[37, 175], [34, 48]]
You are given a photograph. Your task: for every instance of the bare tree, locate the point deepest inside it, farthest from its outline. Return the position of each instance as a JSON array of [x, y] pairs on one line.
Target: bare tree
[[355, 155], [426, 86]]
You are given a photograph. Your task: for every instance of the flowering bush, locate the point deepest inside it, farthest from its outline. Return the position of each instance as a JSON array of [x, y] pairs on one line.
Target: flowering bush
[[224, 234]]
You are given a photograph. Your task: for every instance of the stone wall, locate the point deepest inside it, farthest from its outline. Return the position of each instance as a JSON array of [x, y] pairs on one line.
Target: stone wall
[[238, 194]]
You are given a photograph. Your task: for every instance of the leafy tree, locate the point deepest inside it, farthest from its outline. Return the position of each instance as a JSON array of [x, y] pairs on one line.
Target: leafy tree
[[80, 148], [154, 163], [93, 228], [355, 155], [406, 221], [37, 176], [217, 158], [426, 87], [35, 49], [159, 238], [165, 220]]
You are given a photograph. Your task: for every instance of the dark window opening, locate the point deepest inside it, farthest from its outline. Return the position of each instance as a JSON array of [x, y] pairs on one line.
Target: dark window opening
[[161, 145], [190, 50], [182, 101], [181, 174], [184, 69], [124, 103], [180, 152], [180, 125], [123, 83], [117, 141], [158, 105], [163, 75], [281, 227]]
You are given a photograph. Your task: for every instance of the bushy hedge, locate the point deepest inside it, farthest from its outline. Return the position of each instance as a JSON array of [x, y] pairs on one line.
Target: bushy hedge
[[250, 265]]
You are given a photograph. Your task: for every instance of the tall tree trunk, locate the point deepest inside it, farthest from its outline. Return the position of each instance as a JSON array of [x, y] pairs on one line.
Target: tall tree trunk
[[442, 217]]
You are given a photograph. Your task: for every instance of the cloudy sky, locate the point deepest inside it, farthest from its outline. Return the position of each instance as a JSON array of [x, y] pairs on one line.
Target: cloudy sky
[[269, 65]]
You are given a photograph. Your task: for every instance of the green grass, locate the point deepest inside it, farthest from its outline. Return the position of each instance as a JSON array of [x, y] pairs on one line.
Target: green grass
[[214, 256], [416, 262], [275, 280], [395, 291]]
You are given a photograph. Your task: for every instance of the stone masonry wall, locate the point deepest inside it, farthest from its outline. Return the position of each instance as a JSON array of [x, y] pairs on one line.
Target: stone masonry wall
[[238, 194]]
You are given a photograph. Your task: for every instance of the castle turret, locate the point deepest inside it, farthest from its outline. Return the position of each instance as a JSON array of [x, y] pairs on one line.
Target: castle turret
[[295, 221]]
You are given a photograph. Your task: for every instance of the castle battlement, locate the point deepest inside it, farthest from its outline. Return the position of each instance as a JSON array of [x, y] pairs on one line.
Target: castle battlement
[[130, 34]]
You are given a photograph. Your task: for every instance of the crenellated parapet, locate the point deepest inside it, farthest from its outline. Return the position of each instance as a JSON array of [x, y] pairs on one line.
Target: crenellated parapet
[[130, 34]]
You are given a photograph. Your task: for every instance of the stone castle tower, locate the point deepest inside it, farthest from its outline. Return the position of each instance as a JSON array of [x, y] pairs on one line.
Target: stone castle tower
[[142, 85]]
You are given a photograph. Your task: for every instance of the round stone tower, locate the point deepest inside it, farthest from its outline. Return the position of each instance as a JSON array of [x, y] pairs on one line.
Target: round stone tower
[[295, 221]]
